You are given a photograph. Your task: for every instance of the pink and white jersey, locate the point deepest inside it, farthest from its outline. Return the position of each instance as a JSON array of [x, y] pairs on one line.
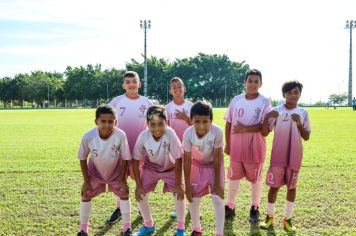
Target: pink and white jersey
[[247, 147], [287, 148], [178, 125], [158, 155], [202, 148], [104, 154], [131, 116]]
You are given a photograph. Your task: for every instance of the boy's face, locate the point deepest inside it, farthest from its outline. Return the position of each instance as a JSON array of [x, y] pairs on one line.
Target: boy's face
[[157, 126], [292, 96], [106, 124], [253, 84], [131, 85], [177, 89], [201, 124]]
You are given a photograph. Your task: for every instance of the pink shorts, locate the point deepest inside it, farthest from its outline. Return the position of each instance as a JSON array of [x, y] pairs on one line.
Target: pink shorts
[[99, 186], [150, 179], [279, 176], [202, 178], [240, 170]]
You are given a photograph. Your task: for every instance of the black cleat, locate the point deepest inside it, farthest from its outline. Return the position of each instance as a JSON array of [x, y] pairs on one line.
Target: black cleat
[[128, 232], [82, 233], [254, 215], [115, 216], [229, 213]]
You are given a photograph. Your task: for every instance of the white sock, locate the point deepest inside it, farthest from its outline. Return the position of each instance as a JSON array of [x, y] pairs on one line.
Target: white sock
[[233, 189], [145, 209], [271, 208], [125, 211], [289, 210], [85, 210], [195, 213], [256, 192], [219, 214], [180, 209]]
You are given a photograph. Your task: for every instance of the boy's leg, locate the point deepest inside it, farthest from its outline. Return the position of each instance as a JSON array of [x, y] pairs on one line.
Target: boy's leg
[[85, 210], [219, 214], [116, 215], [126, 213], [233, 189], [195, 214], [146, 211], [180, 209], [287, 221], [236, 172]]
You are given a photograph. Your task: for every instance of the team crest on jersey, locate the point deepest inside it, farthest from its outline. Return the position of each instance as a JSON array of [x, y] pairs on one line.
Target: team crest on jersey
[[164, 144], [210, 144], [257, 113], [142, 109], [115, 151], [94, 153]]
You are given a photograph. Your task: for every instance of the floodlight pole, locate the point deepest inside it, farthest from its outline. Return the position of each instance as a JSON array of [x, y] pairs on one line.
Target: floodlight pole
[[350, 24], [145, 24]]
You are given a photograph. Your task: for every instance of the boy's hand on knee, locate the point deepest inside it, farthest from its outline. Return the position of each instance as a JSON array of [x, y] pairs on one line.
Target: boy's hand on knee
[[86, 187], [227, 149], [189, 194], [139, 193], [180, 192], [218, 190], [124, 186]]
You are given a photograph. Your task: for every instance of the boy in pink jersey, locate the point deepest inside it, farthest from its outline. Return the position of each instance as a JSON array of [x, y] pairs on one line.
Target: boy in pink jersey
[[245, 143], [291, 124], [178, 109], [204, 165], [131, 111], [160, 149], [108, 163]]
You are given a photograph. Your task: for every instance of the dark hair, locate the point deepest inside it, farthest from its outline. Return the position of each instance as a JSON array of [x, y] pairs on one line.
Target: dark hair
[[131, 74], [201, 108], [104, 109], [253, 72], [158, 110], [174, 79], [289, 85]]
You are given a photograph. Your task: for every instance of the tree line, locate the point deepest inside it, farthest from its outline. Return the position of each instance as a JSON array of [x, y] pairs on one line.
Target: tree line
[[208, 77]]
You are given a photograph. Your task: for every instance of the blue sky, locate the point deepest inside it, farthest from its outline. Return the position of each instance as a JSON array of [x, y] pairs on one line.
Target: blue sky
[[304, 40]]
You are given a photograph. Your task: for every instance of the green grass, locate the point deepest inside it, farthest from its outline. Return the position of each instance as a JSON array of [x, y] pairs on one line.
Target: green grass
[[40, 179]]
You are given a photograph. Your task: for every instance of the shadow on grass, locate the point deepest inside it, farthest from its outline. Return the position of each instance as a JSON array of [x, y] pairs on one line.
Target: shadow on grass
[[228, 227], [255, 229], [107, 226], [165, 227]]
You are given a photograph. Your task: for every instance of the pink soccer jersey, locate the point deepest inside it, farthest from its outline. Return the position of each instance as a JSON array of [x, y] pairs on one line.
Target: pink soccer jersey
[[202, 148], [131, 116], [158, 155], [104, 154], [247, 147], [287, 148], [178, 125]]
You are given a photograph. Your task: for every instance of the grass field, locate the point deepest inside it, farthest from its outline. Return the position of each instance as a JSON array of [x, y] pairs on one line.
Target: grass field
[[40, 179]]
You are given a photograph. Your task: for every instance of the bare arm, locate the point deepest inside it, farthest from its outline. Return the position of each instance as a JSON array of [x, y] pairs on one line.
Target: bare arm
[[179, 184], [265, 130], [219, 190], [139, 188], [303, 132], [240, 128], [227, 137], [187, 167], [86, 184]]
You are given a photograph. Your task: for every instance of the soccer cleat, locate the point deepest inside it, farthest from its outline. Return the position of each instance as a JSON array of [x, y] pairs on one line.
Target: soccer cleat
[[144, 230], [254, 215], [180, 232], [287, 226], [128, 232], [229, 213], [196, 233], [267, 223], [173, 215], [115, 216], [82, 233]]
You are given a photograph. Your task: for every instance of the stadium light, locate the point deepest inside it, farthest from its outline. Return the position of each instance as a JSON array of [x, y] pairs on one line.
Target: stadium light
[[350, 24], [145, 24]]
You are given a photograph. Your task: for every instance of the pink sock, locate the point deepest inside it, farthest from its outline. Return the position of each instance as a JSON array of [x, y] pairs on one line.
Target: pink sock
[[126, 226], [217, 234], [197, 229], [84, 227], [149, 223], [181, 225], [231, 205]]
